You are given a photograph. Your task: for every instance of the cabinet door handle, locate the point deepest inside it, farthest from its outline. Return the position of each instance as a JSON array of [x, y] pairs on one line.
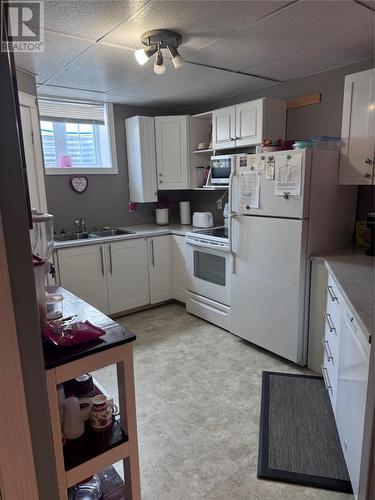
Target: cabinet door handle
[[110, 258], [102, 259], [327, 383], [367, 175], [152, 254], [327, 349], [331, 326], [331, 293], [369, 161]]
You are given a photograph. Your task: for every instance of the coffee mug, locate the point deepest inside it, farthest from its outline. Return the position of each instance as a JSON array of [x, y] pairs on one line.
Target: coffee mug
[[102, 411]]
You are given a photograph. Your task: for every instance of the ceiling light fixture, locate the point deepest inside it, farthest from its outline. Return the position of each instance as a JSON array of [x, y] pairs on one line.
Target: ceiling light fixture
[[155, 41]]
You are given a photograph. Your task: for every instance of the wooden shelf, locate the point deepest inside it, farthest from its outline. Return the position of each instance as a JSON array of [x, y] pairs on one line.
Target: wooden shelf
[[94, 451], [200, 151], [92, 444], [113, 486]]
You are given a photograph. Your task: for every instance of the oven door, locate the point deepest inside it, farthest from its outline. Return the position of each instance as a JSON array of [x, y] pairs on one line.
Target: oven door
[[209, 272]]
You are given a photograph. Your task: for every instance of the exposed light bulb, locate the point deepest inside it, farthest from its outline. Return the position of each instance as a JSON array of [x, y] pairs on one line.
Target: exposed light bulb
[[159, 66], [178, 61], [141, 56], [159, 69], [177, 58]]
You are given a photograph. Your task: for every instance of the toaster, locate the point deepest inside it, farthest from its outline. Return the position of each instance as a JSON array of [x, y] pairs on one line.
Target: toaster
[[203, 219]]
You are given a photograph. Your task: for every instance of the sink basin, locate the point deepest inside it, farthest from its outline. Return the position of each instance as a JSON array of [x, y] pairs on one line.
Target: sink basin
[[94, 234], [111, 232], [71, 236]]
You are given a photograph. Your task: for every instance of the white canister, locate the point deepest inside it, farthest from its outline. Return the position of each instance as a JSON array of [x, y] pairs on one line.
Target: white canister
[[74, 425], [185, 216], [162, 216]]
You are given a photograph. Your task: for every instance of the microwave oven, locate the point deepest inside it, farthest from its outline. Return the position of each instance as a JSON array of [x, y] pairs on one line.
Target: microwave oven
[[220, 170]]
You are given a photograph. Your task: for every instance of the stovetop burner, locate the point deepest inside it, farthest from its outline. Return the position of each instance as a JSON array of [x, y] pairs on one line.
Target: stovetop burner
[[217, 232]]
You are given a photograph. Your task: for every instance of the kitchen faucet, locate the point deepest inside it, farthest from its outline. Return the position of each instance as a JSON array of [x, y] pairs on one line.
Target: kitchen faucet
[[81, 224]]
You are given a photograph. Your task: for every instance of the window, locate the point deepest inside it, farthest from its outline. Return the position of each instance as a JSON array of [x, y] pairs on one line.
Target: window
[[77, 137]]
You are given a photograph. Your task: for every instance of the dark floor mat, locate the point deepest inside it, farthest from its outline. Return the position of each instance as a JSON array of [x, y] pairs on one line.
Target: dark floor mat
[[298, 441]]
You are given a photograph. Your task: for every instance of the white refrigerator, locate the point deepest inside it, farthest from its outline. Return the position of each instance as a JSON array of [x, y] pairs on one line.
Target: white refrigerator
[[284, 207]]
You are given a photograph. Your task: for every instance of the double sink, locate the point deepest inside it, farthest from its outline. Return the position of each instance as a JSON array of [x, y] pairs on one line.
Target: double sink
[[104, 233]]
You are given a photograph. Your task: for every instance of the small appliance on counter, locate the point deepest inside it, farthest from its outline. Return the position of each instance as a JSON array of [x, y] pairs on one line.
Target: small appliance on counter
[[41, 238], [162, 216], [185, 215], [203, 219]]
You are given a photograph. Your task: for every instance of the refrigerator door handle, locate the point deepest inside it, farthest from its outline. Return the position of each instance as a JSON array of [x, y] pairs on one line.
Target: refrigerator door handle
[[230, 192], [230, 238]]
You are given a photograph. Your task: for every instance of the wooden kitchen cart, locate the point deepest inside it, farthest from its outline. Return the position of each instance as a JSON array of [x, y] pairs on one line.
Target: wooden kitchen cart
[[81, 458]]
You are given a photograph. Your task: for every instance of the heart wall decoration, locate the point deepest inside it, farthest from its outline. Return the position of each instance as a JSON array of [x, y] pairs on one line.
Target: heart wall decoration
[[79, 184]]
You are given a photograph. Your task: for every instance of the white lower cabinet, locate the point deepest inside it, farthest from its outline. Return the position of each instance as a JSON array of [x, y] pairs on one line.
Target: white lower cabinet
[[113, 277], [127, 275], [353, 372], [345, 361], [82, 271], [179, 267], [160, 275]]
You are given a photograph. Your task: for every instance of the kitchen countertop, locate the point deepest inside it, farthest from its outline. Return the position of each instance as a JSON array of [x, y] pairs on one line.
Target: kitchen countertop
[[353, 272], [115, 334], [141, 231]]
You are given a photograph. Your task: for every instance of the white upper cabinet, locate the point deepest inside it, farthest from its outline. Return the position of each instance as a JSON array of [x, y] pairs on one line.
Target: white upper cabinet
[[160, 273], [248, 123], [140, 144], [358, 129], [224, 128], [127, 275], [176, 139], [172, 151]]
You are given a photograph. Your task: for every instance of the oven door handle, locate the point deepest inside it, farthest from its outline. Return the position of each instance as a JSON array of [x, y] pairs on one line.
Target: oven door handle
[[207, 245]]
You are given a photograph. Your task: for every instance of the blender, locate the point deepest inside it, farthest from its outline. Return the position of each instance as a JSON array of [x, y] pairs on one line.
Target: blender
[[41, 237]]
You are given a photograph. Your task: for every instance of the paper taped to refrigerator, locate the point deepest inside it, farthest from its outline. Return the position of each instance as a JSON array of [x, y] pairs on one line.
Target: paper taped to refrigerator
[[288, 170], [249, 186]]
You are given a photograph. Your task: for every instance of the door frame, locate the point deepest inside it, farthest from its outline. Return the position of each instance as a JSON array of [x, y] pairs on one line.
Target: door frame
[[16, 455]]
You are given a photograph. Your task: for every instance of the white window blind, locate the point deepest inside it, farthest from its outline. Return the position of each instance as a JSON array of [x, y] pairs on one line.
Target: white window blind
[[54, 110]]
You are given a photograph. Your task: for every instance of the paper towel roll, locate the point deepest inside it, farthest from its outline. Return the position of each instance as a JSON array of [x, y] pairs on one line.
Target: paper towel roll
[[185, 217]]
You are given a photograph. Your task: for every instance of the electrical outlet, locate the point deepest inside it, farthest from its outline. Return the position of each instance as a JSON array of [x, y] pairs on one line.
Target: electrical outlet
[[132, 206], [219, 204]]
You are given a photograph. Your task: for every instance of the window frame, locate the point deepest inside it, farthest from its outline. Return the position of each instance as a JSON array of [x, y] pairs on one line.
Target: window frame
[[110, 124]]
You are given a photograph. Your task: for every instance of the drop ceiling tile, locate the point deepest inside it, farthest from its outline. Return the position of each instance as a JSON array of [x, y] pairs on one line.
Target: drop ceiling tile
[[173, 81], [297, 27], [59, 50], [311, 61], [199, 22], [221, 89], [101, 68], [88, 19], [50, 91], [190, 85]]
